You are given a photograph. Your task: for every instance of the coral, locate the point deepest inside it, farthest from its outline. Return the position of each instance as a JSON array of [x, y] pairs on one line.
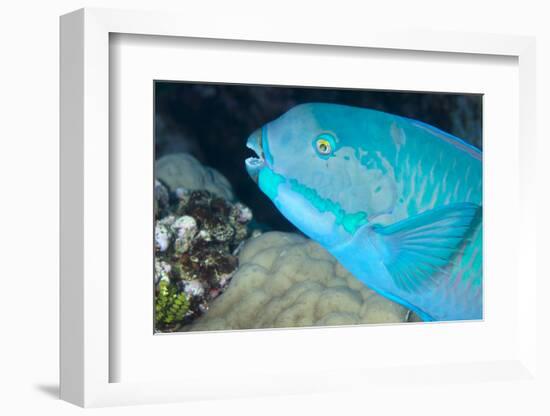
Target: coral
[[164, 233], [185, 229], [162, 271], [162, 199], [196, 248], [286, 280], [181, 170]]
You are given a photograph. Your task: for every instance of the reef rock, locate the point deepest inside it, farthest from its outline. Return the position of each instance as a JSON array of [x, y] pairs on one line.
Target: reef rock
[[181, 170], [196, 248], [286, 280]]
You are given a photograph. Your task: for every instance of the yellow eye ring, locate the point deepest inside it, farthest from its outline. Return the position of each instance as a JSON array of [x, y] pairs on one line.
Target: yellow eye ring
[[323, 146]]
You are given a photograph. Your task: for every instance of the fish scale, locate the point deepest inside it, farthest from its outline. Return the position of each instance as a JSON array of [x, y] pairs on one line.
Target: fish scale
[[467, 192]]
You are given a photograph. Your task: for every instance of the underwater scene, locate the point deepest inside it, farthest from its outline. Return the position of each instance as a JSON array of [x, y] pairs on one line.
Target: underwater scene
[[282, 207]]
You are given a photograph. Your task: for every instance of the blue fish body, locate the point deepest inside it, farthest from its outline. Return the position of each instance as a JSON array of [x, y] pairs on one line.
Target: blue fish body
[[396, 201]]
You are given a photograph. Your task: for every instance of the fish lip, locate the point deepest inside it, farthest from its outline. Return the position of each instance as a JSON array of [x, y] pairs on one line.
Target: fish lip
[[255, 164], [254, 143]]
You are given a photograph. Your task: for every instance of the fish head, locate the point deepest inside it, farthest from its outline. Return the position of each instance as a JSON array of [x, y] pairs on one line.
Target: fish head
[[310, 163]]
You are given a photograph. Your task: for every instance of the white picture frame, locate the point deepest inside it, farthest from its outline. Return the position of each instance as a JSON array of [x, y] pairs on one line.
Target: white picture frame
[[87, 356]]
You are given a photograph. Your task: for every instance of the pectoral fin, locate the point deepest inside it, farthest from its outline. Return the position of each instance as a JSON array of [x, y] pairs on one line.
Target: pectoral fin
[[417, 251]]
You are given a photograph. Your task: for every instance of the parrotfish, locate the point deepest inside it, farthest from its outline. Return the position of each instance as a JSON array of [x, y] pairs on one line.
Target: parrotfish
[[396, 201]]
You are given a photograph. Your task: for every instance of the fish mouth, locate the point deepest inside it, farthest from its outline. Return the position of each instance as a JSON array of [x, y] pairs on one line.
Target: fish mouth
[[255, 164]]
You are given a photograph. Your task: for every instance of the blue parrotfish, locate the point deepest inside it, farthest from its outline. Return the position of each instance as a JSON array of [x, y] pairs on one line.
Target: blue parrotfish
[[396, 201]]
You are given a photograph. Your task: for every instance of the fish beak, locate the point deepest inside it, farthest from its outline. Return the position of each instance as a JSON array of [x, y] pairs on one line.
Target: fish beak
[[255, 164]]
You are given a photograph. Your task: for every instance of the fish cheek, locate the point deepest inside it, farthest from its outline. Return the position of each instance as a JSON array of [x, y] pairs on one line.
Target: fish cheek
[[317, 225]]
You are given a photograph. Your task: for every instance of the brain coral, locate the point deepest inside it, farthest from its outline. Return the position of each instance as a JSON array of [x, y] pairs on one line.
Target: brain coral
[[181, 170], [286, 280]]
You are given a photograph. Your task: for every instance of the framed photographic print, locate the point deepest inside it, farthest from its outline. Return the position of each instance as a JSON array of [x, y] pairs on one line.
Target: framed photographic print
[[354, 180], [290, 229]]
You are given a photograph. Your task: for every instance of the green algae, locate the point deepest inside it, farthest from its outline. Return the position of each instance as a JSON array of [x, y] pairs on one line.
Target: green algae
[[170, 305]]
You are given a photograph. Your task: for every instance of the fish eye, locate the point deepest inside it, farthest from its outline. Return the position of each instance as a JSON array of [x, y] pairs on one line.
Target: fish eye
[[323, 146]]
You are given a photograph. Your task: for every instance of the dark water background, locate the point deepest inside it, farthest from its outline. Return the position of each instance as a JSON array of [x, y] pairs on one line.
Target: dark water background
[[213, 121]]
